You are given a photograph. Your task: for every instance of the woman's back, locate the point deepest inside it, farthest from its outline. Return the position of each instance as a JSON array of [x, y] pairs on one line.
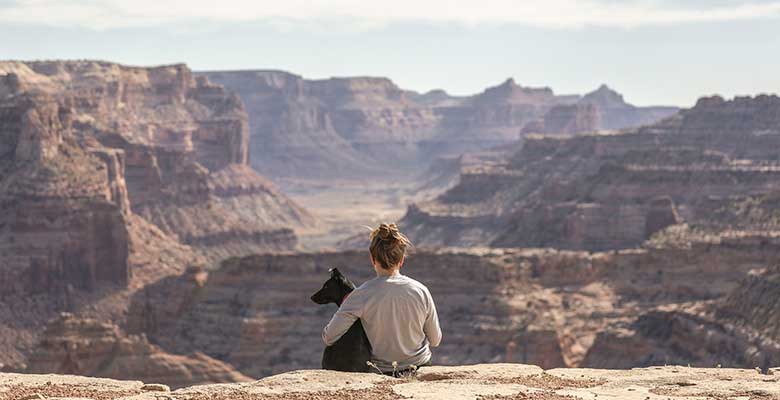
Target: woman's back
[[400, 320], [397, 312]]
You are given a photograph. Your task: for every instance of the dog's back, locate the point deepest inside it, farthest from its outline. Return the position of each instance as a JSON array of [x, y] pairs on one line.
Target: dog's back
[[352, 351]]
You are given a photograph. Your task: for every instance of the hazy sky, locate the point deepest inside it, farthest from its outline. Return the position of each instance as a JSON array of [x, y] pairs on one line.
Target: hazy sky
[[653, 51]]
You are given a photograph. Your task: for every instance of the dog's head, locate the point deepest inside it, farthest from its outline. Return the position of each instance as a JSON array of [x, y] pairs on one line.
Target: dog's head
[[334, 290]]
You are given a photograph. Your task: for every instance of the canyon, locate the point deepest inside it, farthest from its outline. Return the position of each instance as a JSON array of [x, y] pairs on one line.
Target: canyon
[[383, 147], [708, 167], [551, 308], [112, 177], [369, 128], [169, 226]]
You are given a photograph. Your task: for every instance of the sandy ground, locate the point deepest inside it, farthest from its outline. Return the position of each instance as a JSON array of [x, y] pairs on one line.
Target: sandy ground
[[473, 382], [347, 209]]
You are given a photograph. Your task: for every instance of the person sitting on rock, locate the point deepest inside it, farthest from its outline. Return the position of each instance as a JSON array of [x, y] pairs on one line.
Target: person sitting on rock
[[397, 312]]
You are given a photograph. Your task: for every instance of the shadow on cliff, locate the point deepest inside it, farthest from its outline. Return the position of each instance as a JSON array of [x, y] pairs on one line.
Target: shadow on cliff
[[255, 313]]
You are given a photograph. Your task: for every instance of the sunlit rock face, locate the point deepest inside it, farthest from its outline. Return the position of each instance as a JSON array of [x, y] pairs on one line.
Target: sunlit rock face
[[151, 141], [552, 308], [615, 113], [362, 127], [64, 207], [493, 380], [600, 192], [112, 177], [84, 346]]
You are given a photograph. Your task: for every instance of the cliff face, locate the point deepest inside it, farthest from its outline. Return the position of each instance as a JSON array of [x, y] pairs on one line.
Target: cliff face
[[369, 127], [615, 113], [753, 304], [601, 192], [79, 346], [568, 119], [552, 308], [738, 328], [112, 177], [64, 207], [174, 148]]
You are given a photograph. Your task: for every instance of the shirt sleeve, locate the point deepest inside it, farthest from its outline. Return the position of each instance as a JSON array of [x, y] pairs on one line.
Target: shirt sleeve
[[431, 328], [342, 320]]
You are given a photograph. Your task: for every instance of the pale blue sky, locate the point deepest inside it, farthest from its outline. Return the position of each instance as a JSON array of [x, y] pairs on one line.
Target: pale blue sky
[[653, 51]]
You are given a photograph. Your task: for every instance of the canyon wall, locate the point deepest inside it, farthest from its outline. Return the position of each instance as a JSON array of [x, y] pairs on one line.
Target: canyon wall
[[108, 141], [64, 219], [547, 307], [600, 192], [83, 346], [112, 177], [120, 187], [360, 127]]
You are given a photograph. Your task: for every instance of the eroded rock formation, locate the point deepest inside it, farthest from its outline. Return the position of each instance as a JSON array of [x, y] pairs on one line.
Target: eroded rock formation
[[112, 177], [173, 148], [615, 113], [600, 192], [553, 308], [369, 127], [82, 346], [64, 219]]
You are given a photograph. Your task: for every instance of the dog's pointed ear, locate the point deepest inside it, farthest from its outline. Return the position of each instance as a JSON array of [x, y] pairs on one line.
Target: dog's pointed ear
[[334, 272]]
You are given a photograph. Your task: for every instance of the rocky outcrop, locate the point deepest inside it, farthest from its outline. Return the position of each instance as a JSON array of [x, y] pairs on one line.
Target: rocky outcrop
[[614, 113], [751, 306], [734, 330], [78, 346], [64, 208], [567, 119], [482, 381], [521, 305], [608, 191], [113, 177], [168, 141], [360, 127]]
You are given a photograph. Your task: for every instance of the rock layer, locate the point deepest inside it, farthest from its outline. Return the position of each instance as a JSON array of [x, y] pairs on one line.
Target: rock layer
[[552, 308], [79, 346], [361, 127], [64, 219], [600, 192], [468, 382], [112, 177]]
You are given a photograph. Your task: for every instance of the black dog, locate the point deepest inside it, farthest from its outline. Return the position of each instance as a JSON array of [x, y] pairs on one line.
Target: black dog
[[352, 351]]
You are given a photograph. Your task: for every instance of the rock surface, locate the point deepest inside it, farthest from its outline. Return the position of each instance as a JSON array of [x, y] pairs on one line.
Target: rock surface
[[157, 142], [112, 177], [708, 166], [470, 382], [551, 308], [83, 346], [360, 127]]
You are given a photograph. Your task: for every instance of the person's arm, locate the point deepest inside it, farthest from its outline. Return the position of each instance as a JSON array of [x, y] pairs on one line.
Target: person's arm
[[342, 320], [431, 328]]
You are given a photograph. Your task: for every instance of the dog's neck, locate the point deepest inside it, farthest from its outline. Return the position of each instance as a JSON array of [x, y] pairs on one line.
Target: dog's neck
[[339, 303]]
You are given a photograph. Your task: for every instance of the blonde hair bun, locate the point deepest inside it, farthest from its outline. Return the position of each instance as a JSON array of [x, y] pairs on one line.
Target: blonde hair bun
[[388, 245], [387, 231]]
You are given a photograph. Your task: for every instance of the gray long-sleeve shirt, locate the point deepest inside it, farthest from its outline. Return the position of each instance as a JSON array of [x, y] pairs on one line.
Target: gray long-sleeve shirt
[[399, 318]]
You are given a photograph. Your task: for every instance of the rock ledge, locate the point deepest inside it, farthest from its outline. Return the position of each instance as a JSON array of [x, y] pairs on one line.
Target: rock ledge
[[483, 381]]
